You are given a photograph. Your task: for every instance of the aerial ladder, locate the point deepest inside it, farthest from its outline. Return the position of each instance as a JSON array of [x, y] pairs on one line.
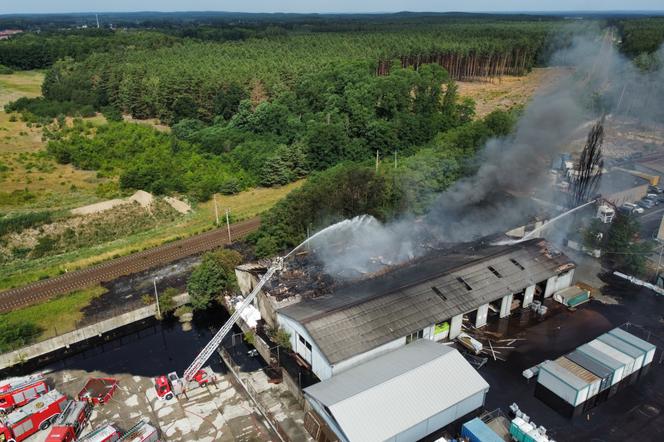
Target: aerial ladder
[[170, 386]]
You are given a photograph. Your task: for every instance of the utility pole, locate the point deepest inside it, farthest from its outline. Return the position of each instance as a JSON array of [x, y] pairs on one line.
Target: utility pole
[[216, 209], [228, 226], [659, 263], [156, 295], [376, 160], [395, 159]]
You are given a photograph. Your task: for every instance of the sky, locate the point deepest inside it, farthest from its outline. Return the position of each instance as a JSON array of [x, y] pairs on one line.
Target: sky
[[45, 6]]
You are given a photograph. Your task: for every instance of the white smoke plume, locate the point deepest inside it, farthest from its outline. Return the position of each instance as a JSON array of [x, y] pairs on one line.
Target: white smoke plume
[[601, 81]]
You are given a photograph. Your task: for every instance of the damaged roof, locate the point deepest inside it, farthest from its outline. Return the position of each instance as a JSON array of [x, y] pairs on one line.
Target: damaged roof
[[359, 317]]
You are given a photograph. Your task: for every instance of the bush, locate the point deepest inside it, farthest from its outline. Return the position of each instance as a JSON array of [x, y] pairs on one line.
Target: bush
[[281, 337], [15, 335], [4, 70], [166, 301], [17, 223]]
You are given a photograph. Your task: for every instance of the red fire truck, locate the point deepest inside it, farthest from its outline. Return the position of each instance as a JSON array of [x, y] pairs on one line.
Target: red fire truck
[[107, 433], [69, 425], [141, 432], [37, 415], [172, 385], [16, 392]]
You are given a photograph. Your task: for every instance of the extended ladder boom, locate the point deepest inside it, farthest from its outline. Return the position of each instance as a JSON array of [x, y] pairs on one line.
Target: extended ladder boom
[[216, 341]]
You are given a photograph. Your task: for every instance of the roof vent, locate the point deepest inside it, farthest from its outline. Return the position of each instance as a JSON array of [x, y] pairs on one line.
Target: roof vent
[[463, 281], [516, 263], [495, 272], [437, 291]]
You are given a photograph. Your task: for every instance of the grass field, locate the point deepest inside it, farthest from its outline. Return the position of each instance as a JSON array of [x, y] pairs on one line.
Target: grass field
[[243, 206], [24, 165], [56, 316]]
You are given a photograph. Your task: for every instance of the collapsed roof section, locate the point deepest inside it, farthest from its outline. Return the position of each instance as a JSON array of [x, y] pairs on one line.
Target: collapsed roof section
[[358, 317]]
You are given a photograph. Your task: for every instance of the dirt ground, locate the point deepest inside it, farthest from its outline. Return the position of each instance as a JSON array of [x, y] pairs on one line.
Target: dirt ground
[[509, 91]]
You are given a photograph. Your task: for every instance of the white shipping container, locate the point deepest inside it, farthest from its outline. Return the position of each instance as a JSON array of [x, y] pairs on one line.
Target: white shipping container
[[628, 349], [564, 384], [616, 366], [637, 342], [627, 361]]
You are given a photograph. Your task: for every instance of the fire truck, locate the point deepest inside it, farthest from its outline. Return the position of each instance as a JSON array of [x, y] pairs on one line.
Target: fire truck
[[141, 432], [69, 425], [16, 392], [107, 433], [36, 415], [168, 387]]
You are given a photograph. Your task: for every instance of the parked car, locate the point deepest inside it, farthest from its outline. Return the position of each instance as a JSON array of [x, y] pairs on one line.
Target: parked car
[[652, 197], [654, 189], [633, 208], [646, 203]]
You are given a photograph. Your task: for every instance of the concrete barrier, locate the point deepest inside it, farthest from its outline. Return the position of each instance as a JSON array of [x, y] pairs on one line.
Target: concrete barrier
[[65, 340]]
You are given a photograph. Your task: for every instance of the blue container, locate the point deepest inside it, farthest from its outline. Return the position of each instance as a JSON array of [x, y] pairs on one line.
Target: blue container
[[478, 431]]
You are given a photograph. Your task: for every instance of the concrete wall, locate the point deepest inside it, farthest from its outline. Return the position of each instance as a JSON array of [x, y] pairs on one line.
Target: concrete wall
[[628, 196], [559, 282], [81, 334]]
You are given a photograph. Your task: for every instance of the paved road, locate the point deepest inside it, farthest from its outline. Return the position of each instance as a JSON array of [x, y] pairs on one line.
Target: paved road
[[126, 265]]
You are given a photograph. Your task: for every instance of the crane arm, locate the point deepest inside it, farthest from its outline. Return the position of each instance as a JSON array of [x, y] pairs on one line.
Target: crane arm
[[216, 341]]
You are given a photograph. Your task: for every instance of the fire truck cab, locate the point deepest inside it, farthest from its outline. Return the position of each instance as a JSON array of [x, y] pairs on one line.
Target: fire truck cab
[[107, 433], [69, 425], [168, 387], [18, 391], [36, 415]]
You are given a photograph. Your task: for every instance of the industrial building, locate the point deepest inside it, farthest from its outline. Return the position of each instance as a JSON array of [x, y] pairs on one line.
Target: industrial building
[[425, 299], [400, 396], [594, 372], [619, 187]]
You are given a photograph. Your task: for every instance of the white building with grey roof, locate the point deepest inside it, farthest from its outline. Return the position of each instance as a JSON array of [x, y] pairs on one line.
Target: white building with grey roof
[[402, 396], [425, 299]]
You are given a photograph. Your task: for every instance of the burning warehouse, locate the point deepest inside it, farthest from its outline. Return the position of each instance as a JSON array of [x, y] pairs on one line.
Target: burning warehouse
[[335, 327]]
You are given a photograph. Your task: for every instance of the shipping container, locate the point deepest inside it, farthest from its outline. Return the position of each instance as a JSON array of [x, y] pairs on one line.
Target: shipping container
[[635, 353], [617, 367], [593, 381], [522, 431], [637, 342], [562, 383], [477, 431], [604, 373], [627, 361], [572, 296]]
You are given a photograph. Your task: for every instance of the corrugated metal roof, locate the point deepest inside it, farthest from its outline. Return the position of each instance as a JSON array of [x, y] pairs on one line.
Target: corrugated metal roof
[[564, 375], [362, 316], [590, 364], [389, 394], [577, 370], [631, 339], [601, 357], [622, 346]]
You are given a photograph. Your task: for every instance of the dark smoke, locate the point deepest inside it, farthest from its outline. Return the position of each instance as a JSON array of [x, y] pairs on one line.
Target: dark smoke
[[602, 81]]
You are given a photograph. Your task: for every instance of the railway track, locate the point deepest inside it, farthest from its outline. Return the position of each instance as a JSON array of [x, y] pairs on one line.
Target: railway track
[[137, 262]]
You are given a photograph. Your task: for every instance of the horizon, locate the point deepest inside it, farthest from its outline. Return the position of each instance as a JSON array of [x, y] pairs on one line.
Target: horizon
[[340, 7]]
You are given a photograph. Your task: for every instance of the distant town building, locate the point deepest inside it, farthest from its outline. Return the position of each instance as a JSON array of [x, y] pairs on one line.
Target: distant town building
[[8, 33]]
